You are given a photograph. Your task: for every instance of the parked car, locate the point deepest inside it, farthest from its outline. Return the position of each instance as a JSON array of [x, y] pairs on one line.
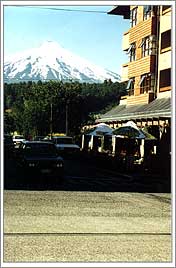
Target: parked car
[[8, 146], [40, 157], [65, 144], [17, 139]]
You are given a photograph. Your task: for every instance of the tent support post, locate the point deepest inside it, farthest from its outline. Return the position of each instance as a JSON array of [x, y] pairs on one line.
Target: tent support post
[[142, 148], [113, 145], [154, 149], [82, 146], [92, 139]]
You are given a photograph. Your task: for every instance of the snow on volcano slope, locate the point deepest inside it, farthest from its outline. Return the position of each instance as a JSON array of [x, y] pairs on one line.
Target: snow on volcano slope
[[52, 62]]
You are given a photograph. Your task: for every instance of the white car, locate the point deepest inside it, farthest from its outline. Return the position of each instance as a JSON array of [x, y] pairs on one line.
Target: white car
[[17, 139], [65, 144]]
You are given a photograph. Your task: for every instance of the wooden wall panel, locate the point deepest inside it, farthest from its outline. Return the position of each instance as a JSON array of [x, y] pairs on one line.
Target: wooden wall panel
[[135, 100], [141, 30], [141, 66], [141, 99]]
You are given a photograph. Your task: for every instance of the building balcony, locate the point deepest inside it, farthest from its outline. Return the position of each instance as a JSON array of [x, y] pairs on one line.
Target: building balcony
[[142, 29], [125, 41], [141, 66], [140, 99], [124, 75]]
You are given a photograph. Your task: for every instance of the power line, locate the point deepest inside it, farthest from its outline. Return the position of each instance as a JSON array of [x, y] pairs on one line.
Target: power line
[[71, 10], [65, 9]]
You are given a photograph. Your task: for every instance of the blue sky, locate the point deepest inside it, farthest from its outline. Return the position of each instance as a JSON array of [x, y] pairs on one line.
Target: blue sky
[[96, 37]]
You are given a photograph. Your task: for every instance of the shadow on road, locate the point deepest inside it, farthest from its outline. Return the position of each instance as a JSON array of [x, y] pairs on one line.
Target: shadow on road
[[81, 175]]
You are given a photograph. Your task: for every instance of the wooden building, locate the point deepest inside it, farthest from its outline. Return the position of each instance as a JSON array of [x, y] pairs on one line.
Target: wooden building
[[147, 72]]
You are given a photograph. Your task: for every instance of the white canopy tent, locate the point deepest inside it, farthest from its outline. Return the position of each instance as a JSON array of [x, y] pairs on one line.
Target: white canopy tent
[[130, 130], [100, 130]]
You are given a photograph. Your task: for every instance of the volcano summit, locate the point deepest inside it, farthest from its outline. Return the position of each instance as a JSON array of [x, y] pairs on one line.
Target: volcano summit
[[52, 62]]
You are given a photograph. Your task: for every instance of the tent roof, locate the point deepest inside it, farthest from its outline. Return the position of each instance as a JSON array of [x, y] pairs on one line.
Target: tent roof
[[99, 130], [130, 130]]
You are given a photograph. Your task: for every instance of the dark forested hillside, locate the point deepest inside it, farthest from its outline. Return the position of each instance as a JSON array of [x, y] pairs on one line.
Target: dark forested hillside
[[39, 108]]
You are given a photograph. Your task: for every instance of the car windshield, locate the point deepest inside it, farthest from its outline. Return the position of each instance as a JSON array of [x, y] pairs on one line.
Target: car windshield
[[63, 140], [35, 149], [19, 137]]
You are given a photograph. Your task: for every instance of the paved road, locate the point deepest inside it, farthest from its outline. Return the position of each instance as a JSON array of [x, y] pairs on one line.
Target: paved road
[[94, 215], [64, 226]]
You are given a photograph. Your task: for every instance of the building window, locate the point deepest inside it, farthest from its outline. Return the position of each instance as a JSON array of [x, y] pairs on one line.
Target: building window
[[146, 83], [147, 12], [130, 86], [132, 52], [166, 39], [165, 78], [148, 46], [133, 16], [153, 44], [145, 45]]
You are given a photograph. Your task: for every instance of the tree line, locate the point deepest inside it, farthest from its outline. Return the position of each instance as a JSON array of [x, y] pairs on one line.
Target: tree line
[[38, 108]]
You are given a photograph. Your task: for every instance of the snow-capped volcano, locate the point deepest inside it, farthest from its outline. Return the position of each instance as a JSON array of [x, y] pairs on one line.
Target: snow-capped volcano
[[52, 62]]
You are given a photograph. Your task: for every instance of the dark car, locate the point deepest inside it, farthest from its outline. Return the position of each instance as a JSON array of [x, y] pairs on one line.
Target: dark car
[[40, 157], [65, 145]]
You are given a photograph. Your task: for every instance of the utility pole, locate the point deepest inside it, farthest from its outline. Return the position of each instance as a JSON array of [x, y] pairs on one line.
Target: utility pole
[[66, 118], [51, 119]]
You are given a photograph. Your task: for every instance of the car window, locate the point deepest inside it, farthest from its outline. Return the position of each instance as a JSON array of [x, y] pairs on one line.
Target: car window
[[40, 149], [19, 137]]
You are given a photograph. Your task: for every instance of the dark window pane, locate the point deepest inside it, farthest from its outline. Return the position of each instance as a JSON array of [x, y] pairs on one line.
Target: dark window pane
[[166, 39], [133, 16], [165, 78]]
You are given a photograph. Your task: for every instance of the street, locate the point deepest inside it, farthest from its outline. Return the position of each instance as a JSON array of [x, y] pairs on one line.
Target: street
[[85, 174], [94, 215]]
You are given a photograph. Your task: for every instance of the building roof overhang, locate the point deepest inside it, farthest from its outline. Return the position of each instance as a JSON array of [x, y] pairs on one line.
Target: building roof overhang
[[157, 109], [120, 10]]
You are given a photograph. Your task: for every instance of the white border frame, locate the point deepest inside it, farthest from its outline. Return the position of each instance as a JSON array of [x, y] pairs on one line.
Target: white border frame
[[92, 3]]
